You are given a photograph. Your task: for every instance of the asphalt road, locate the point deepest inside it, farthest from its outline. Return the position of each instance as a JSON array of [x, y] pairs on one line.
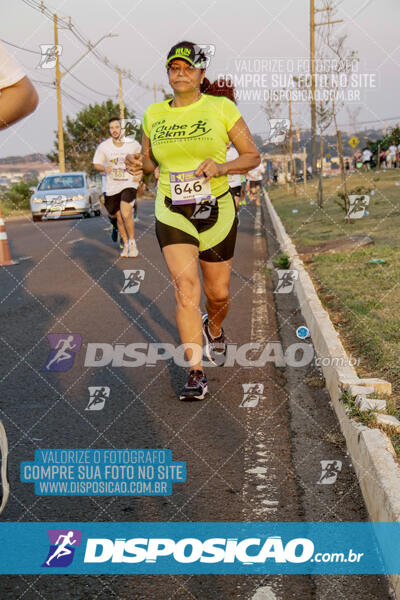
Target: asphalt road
[[256, 463]]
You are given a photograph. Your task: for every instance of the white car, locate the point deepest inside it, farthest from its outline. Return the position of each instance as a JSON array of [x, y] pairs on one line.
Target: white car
[[65, 194]]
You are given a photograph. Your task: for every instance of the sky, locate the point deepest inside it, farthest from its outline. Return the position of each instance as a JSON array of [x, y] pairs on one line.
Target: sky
[[260, 43]]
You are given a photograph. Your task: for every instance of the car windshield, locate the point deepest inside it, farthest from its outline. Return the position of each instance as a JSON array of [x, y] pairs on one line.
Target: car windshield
[[62, 182]]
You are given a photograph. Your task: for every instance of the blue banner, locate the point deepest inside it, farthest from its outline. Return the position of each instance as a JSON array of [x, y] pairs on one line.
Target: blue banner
[[103, 472], [199, 548]]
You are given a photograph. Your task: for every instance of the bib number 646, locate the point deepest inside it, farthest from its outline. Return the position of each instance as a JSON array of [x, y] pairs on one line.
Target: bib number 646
[[187, 188]]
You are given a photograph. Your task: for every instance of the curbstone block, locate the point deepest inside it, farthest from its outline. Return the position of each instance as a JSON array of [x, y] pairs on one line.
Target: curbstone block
[[388, 421], [370, 403], [380, 385]]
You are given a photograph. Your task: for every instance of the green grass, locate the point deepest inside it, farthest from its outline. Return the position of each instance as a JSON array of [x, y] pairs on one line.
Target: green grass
[[8, 211], [363, 299], [366, 417]]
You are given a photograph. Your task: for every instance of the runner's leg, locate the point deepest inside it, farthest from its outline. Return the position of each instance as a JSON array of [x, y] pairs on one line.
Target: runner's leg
[[182, 262], [126, 215], [121, 227], [216, 278]]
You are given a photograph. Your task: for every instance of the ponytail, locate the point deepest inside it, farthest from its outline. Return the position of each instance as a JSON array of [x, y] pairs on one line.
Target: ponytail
[[204, 86], [223, 86]]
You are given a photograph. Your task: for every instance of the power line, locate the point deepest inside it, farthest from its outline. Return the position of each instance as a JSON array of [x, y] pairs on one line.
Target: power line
[[87, 86], [127, 74], [20, 47]]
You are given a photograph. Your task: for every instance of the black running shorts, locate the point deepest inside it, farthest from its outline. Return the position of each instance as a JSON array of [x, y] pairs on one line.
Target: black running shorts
[[211, 226], [113, 203]]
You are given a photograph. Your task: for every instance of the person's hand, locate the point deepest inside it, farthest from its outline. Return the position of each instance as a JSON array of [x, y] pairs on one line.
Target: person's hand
[[209, 169], [108, 169], [134, 163], [138, 176]]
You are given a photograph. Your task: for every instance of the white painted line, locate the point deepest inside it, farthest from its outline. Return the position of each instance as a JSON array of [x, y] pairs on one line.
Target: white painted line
[[73, 241], [260, 477], [264, 593]]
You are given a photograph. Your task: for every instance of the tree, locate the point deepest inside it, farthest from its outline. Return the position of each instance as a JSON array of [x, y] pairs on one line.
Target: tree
[[18, 195], [84, 132]]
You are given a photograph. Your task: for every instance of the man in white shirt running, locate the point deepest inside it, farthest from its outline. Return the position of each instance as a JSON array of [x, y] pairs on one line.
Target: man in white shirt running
[[121, 187], [255, 177]]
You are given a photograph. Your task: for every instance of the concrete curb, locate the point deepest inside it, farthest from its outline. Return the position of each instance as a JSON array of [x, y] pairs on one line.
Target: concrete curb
[[371, 451]]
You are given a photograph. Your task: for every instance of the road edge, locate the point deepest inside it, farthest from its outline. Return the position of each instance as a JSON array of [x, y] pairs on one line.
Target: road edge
[[370, 449]]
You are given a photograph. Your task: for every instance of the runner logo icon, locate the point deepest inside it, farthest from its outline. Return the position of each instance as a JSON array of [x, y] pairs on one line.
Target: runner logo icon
[[63, 543], [133, 279], [49, 56], [287, 277], [203, 209], [62, 351], [204, 52], [98, 396], [278, 130], [330, 470], [252, 393]]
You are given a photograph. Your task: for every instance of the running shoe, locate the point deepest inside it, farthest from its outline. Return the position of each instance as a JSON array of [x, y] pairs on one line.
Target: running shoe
[[125, 251], [215, 347], [196, 386], [114, 234], [133, 251], [5, 486]]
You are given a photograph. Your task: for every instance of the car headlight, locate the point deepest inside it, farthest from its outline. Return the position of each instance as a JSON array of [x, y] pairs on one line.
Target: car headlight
[[36, 199], [79, 197]]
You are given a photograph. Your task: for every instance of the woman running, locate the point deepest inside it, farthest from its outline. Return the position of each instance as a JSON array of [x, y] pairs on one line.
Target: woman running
[[195, 212]]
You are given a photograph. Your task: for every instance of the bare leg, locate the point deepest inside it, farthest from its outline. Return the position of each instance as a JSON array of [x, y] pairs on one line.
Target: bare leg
[[216, 278], [121, 227], [182, 262], [126, 212]]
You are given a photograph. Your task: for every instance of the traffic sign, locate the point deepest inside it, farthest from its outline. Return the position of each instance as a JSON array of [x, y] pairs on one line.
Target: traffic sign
[[354, 141]]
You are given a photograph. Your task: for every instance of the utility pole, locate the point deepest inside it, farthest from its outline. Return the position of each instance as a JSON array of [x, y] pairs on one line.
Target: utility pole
[[313, 107], [59, 76], [292, 168], [313, 25], [121, 100], [61, 157]]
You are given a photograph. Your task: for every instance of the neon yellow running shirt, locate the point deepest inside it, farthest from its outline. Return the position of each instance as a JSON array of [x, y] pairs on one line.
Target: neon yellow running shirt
[[183, 137]]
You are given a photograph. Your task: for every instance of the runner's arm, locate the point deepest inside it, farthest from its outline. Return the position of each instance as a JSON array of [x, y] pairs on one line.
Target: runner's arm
[[135, 163], [102, 168], [249, 156], [17, 101]]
